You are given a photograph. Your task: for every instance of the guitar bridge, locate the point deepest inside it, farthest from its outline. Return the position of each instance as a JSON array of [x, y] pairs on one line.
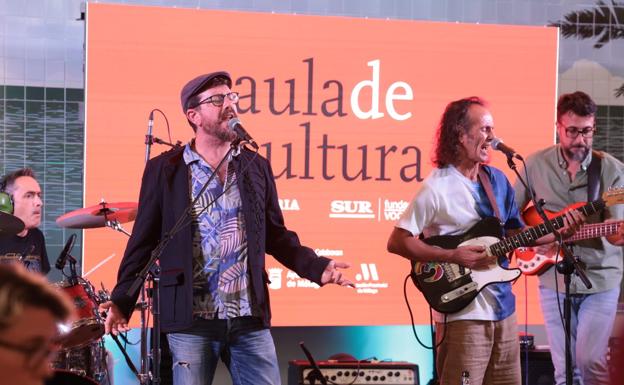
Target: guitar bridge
[[462, 290]]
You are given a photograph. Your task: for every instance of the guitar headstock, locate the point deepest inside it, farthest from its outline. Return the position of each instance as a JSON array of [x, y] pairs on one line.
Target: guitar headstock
[[614, 196]]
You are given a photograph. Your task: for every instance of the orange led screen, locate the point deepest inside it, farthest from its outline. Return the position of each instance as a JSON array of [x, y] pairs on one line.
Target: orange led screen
[[345, 109]]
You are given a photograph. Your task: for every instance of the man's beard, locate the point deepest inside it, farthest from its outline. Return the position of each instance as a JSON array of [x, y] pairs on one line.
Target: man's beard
[[579, 155], [223, 134]]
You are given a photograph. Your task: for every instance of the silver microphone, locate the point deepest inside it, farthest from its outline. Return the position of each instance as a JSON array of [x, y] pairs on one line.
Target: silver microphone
[[235, 125], [498, 144], [149, 139]]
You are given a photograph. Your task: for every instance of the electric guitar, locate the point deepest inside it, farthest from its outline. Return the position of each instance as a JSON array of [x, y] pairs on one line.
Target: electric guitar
[[532, 263], [449, 287]]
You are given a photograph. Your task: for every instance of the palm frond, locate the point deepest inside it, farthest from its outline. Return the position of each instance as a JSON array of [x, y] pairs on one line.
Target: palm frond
[[604, 22], [619, 91]]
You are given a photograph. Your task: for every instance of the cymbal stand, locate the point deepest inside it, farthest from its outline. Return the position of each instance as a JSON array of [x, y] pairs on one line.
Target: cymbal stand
[[115, 225]]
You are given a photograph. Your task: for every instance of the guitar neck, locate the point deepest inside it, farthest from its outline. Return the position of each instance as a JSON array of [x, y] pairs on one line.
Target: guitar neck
[[596, 230], [529, 236]]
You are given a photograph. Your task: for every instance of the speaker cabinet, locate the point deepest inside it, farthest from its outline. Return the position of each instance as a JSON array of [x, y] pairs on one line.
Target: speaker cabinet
[[540, 368]]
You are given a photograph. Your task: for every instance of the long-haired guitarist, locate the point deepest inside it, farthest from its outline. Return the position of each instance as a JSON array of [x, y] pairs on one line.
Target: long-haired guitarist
[[562, 175], [482, 337]]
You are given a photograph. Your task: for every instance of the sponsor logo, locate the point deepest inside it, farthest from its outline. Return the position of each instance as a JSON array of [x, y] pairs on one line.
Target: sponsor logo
[[367, 280], [392, 210], [275, 278], [289, 205], [329, 253], [351, 209], [294, 281]]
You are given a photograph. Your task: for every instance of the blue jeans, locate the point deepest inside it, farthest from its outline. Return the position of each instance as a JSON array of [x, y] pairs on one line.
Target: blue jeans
[[591, 324], [249, 356]]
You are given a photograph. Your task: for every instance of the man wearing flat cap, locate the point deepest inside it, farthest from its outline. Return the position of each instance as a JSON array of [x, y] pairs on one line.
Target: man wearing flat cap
[[214, 295]]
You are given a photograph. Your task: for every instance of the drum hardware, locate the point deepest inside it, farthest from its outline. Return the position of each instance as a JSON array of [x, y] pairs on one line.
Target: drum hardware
[[115, 225], [87, 364], [90, 326], [83, 357], [98, 215], [67, 377]]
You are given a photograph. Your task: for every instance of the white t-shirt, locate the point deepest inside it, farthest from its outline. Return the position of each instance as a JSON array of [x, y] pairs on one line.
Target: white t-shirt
[[445, 205]]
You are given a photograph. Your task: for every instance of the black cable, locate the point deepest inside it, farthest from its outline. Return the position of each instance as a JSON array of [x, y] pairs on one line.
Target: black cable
[[166, 121], [409, 308]]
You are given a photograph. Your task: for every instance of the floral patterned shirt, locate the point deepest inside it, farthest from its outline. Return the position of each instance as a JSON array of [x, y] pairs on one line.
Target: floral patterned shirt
[[221, 284]]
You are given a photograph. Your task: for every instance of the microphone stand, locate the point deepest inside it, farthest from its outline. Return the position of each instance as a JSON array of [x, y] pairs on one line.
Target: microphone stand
[[151, 271], [567, 266], [160, 141], [73, 275], [144, 306]]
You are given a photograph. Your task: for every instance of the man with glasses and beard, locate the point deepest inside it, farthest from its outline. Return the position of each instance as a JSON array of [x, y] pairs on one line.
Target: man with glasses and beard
[[214, 294], [30, 309], [561, 175]]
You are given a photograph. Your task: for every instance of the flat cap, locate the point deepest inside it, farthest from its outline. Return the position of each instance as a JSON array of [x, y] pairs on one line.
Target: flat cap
[[194, 86]]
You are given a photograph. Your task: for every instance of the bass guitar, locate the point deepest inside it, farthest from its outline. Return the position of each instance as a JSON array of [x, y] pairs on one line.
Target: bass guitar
[[530, 262], [449, 287]]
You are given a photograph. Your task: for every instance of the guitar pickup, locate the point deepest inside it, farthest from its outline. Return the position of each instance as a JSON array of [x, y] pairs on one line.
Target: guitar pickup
[[462, 290]]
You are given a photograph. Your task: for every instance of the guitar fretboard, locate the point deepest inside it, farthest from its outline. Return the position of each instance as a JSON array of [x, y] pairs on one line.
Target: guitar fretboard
[[595, 230], [529, 236]]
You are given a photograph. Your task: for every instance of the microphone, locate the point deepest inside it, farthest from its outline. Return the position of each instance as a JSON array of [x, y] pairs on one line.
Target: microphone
[[69, 245], [149, 138], [235, 125], [498, 144]]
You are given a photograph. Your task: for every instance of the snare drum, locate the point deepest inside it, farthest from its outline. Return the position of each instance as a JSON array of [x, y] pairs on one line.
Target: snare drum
[[89, 361], [90, 325]]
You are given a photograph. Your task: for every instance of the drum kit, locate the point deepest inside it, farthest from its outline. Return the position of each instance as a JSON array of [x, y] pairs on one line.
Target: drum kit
[[83, 359]]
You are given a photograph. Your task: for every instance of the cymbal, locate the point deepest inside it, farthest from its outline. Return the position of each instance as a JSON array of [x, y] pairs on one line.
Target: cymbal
[[10, 224], [97, 215]]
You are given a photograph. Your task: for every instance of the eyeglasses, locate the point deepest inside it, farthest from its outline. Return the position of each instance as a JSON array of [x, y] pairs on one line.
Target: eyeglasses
[[35, 355], [572, 132], [218, 99]]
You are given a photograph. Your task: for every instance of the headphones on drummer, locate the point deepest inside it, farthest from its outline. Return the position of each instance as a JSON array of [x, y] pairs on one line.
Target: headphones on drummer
[[6, 200]]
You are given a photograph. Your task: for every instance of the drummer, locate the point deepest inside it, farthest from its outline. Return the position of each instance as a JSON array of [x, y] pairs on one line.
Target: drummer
[[28, 246]]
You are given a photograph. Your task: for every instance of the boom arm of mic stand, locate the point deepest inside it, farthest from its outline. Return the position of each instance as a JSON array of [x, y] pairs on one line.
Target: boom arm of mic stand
[[73, 276], [160, 141]]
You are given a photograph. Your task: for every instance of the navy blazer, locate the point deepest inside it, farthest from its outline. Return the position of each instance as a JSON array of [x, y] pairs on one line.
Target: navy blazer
[[163, 199]]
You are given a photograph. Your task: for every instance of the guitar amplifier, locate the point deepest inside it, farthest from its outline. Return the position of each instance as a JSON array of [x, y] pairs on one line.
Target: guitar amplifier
[[355, 373]]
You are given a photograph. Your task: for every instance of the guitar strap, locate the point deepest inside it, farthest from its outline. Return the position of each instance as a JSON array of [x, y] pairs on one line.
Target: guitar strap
[[593, 179], [484, 179]]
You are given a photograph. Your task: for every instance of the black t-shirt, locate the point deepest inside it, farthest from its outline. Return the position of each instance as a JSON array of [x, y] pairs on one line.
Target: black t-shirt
[[30, 250]]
